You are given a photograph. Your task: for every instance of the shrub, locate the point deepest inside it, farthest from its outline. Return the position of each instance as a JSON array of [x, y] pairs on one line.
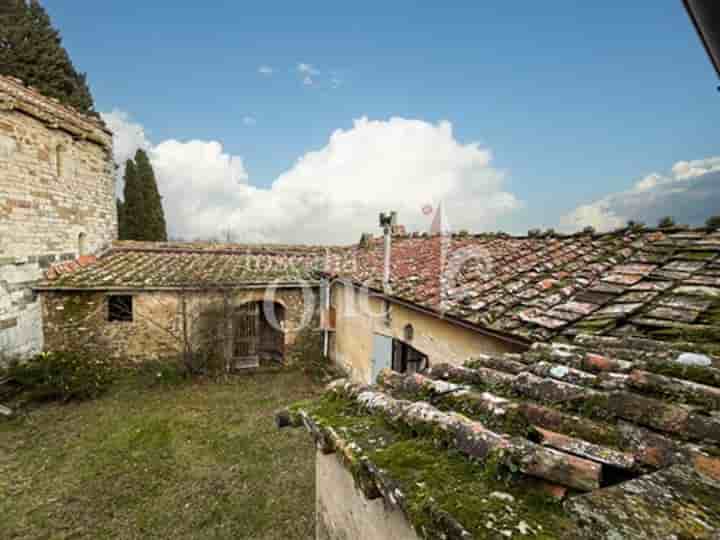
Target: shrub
[[713, 222], [161, 373], [61, 376], [307, 354], [635, 226], [666, 222]]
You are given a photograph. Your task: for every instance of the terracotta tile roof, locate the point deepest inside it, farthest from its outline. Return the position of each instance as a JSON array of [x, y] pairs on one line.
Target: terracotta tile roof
[[664, 285], [608, 424], [148, 265]]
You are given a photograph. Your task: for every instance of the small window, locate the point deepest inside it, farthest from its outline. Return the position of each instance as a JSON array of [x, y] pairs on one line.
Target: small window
[[408, 332], [120, 308]]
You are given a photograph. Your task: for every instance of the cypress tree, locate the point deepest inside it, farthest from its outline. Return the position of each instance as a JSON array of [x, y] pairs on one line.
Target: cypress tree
[[31, 50], [133, 208], [120, 205], [153, 226]]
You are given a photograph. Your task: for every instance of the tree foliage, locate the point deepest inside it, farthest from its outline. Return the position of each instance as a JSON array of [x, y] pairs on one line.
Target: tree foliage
[[713, 222], [31, 50], [666, 222], [153, 226], [141, 215]]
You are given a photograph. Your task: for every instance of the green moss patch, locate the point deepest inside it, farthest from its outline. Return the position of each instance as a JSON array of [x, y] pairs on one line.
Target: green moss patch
[[486, 498], [436, 480]]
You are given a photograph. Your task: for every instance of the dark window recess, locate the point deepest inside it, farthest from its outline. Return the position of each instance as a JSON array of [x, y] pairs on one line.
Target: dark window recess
[[120, 308], [406, 359]]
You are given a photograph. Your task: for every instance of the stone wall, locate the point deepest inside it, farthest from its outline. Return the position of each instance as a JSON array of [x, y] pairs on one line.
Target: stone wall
[[74, 319], [57, 201]]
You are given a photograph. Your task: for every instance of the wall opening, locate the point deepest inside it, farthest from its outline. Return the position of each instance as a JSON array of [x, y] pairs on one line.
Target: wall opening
[[407, 359], [258, 334], [120, 308], [391, 353]]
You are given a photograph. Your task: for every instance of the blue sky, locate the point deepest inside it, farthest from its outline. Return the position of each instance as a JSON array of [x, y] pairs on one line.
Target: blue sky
[[575, 100]]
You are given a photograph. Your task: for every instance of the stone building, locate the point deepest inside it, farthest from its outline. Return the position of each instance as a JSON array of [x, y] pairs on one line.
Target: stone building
[[57, 201], [145, 300], [451, 297], [590, 385]]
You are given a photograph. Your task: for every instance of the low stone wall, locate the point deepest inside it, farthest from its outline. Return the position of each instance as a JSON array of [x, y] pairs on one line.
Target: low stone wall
[[344, 513], [74, 319], [20, 313]]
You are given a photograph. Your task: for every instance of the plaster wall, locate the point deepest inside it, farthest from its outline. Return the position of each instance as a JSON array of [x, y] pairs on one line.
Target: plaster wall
[[359, 316], [344, 513]]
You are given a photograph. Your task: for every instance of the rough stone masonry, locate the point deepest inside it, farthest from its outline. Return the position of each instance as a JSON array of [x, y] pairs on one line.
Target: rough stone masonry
[[57, 202]]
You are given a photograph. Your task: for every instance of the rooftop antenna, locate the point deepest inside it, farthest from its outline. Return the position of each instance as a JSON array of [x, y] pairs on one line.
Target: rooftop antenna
[[387, 222]]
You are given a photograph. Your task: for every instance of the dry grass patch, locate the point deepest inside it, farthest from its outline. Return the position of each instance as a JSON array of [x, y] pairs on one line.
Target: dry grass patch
[[194, 460]]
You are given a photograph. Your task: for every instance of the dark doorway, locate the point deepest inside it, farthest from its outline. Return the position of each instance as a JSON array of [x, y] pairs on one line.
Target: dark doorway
[[406, 359], [258, 334]]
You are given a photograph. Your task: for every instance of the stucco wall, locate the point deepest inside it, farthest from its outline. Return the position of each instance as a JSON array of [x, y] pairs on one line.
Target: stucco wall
[[343, 512], [45, 205], [358, 317], [73, 319]]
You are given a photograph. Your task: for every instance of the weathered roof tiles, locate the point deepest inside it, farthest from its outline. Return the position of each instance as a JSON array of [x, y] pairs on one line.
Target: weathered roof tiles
[[148, 265], [625, 430], [656, 284]]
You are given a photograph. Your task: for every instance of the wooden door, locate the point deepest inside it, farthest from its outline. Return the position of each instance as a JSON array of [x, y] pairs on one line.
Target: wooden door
[[246, 335]]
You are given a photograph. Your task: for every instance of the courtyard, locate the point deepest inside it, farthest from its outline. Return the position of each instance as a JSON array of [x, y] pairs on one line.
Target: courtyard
[[192, 459]]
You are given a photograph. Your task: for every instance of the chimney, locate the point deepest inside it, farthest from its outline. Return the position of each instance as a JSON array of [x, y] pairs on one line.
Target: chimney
[[387, 222]]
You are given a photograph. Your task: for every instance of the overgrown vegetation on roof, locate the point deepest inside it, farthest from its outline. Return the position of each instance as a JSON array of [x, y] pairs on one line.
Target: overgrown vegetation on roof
[[605, 419]]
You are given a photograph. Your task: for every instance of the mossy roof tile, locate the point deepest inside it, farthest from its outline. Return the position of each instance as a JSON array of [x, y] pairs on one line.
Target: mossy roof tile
[[625, 430]]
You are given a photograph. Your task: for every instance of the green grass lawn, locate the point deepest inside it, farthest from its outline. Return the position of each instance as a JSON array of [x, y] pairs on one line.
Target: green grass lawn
[[201, 459]]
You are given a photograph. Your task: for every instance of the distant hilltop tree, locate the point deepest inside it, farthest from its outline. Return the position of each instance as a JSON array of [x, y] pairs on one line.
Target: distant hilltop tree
[[635, 225], [140, 214], [666, 222], [713, 222], [31, 50], [589, 230]]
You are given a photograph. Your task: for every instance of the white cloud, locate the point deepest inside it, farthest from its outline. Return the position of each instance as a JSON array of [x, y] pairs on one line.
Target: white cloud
[[307, 69], [265, 70], [249, 121], [129, 135], [307, 73], [689, 192], [333, 194]]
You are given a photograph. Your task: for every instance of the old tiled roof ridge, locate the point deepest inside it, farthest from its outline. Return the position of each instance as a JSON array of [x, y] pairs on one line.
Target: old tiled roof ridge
[[14, 94], [147, 265], [605, 424], [654, 282], [219, 247]]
